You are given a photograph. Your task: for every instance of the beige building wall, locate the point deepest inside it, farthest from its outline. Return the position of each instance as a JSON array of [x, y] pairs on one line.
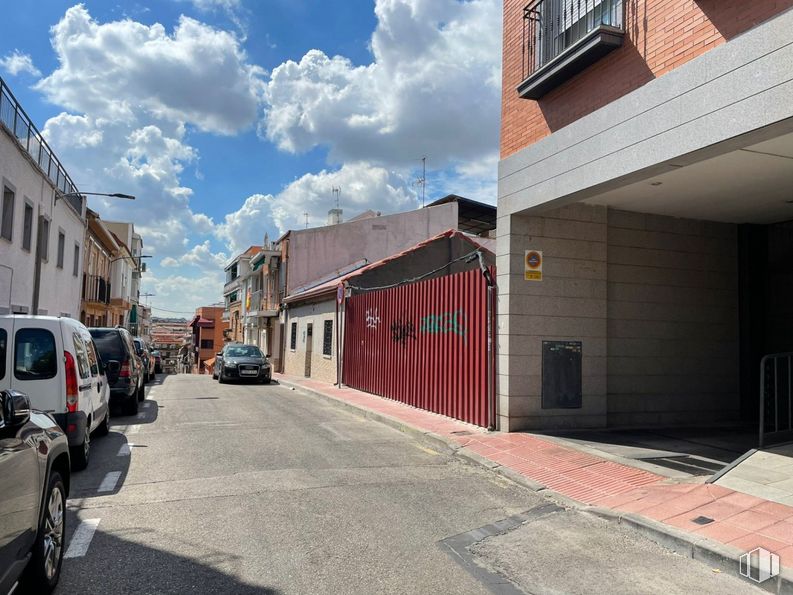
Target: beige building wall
[[653, 300], [323, 367]]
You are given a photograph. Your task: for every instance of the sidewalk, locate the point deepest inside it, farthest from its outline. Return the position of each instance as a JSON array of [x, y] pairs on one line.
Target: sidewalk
[[733, 519]]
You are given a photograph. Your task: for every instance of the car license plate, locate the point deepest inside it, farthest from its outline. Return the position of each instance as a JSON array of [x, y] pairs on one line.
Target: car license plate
[[248, 372]]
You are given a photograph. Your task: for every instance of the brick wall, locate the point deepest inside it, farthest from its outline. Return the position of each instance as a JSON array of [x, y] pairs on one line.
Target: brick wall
[[672, 320], [660, 36]]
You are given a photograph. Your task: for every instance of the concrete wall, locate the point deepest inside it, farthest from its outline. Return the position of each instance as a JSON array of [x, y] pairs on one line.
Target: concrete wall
[[654, 301], [60, 288], [314, 253], [323, 367], [660, 37], [672, 320]]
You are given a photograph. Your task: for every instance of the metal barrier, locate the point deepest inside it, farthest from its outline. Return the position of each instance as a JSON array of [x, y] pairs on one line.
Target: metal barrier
[[776, 412]]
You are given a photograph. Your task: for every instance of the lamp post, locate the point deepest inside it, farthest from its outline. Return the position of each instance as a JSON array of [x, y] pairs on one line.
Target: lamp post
[[113, 195]]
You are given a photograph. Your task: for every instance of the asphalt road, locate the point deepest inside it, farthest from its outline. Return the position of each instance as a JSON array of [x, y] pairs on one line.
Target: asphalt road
[[261, 489]]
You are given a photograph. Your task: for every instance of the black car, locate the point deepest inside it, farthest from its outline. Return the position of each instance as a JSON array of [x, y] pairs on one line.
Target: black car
[[242, 362], [146, 358], [124, 369], [34, 485]]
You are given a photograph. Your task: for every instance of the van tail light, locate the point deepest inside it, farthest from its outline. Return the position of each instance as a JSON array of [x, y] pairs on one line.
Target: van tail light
[[71, 383], [124, 373]]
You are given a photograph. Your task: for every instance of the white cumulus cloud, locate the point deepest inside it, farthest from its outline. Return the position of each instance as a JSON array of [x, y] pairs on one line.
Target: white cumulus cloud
[[17, 62], [432, 88]]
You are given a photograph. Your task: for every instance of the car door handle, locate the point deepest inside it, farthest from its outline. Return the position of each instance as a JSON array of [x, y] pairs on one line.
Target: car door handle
[[99, 386], [85, 386]]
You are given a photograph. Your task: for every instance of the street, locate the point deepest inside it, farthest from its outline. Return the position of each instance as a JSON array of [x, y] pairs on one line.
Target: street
[[262, 489]]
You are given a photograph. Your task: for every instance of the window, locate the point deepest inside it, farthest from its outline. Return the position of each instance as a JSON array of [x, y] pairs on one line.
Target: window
[[293, 337], [76, 264], [93, 359], [7, 223], [44, 238], [61, 248], [110, 344], [80, 355], [327, 338], [34, 354], [207, 343], [27, 229], [3, 348]]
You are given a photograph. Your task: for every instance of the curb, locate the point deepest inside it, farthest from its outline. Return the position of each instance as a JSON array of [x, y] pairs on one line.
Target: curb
[[715, 554]]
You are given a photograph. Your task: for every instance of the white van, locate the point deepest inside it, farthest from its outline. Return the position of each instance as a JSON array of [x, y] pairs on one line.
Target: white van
[[55, 362]]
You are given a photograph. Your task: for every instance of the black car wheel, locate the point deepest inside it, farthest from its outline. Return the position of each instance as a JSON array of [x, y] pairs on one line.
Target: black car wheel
[[44, 569], [79, 454], [131, 406], [141, 392], [221, 378]]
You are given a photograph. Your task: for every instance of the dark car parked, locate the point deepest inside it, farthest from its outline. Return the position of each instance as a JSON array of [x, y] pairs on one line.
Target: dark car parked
[[34, 485], [242, 362], [157, 361], [146, 358], [124, 368]]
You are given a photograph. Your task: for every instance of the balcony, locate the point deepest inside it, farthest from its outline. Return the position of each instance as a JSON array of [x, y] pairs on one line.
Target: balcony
[[563, 37], [96, 289], [262, 304]]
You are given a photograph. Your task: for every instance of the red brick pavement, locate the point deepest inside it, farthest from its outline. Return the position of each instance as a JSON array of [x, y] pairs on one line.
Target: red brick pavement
[[739, 520]]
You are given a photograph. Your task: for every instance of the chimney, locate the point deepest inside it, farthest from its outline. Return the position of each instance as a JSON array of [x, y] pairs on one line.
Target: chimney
[[334, 216]]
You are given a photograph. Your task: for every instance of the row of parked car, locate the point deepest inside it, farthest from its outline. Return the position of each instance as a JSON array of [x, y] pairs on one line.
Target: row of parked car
[[58, 383]]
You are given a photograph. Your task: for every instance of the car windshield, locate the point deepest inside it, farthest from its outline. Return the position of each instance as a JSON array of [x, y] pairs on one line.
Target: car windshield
[[243, 351]]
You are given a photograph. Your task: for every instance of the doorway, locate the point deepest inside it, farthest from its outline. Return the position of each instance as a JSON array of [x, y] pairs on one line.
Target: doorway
[[309, 345]]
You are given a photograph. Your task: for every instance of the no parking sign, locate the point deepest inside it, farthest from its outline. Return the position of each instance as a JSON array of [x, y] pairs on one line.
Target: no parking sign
[[532, 270]]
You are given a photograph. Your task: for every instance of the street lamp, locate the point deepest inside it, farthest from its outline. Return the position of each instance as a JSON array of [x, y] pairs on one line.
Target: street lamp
[[114, 195]]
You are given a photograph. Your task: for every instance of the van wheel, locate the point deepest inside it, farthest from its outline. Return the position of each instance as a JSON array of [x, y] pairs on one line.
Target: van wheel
[[80, 453], [104, 428], [131, 406], [44, 569]]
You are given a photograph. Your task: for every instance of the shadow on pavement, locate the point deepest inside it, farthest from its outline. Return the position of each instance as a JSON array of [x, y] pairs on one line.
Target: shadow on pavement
[[116, 562]]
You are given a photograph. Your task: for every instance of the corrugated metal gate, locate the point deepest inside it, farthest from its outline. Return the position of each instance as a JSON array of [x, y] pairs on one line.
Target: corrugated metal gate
[[423, 344]]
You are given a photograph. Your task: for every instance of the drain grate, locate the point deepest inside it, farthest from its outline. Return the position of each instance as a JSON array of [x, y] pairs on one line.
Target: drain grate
[[702, 520]]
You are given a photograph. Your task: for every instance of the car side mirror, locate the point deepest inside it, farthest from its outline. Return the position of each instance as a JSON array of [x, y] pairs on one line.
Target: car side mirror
[[113, 369], [16, 408]]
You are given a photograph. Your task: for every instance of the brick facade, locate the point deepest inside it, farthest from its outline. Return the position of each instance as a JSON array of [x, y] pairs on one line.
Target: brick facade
[[660, 36]]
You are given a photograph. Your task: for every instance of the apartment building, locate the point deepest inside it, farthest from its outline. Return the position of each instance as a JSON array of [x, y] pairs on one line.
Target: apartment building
[[125, 275], [234, 295], [207, 329], [42, 221], [101, 250], [644, 208]]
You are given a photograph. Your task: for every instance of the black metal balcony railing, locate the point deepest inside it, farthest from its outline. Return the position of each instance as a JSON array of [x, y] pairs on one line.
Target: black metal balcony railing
[[550, 27], [14, 118], [96, 289]]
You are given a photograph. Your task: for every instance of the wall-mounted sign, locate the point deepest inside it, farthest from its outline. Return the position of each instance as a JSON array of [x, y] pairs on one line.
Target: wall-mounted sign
[[532, 270]]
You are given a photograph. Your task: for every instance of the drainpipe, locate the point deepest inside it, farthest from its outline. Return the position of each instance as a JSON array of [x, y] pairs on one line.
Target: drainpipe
[[490, 374]]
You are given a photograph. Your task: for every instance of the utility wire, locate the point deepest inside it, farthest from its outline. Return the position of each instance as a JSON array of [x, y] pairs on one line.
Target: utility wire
[[468, 257]]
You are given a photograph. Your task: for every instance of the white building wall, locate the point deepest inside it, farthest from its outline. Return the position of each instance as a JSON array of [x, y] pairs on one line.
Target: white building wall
[[323, 367], [60, 288]]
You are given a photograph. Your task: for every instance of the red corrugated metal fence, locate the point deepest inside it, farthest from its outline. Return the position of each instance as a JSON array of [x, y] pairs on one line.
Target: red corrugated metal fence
[[424, 344]]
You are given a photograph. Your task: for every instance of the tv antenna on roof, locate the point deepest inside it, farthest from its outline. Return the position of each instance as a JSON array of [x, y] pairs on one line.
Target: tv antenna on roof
[[422, 181], [336, 190], [306, 214]]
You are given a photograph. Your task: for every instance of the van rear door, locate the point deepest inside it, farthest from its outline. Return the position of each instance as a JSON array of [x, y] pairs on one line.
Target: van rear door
[[37, 367]]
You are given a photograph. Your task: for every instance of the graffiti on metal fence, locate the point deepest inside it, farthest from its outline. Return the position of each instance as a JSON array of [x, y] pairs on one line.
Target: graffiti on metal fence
[[445, 323], [372, 318], [402, 329]]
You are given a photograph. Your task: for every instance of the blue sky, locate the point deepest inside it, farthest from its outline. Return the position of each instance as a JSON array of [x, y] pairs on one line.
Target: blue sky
[[229, 119]]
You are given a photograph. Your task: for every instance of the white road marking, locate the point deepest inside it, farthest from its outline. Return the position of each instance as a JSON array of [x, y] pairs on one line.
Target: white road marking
[[82, 538], [109, 482], [134, 429], [125, 449]]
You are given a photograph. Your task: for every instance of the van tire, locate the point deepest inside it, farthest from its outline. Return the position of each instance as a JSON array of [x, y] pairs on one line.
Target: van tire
[[104, 428], [81, 453]]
